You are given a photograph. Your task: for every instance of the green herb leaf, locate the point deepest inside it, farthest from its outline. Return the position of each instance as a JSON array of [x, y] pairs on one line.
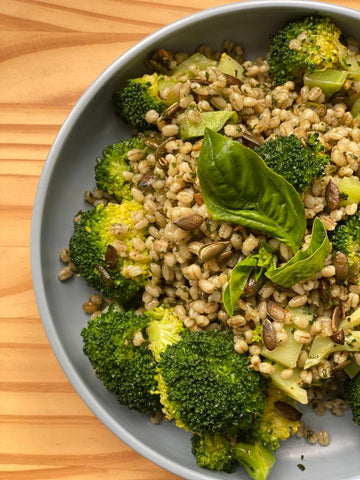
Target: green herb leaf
[[306, 262], [237, 282], [238, 187], [240, 274]]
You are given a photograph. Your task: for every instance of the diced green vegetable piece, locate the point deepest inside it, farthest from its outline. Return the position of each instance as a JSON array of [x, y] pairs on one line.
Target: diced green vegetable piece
[[197, 59], [352, 370], [355, 109], [290, 385], [351, 321], [351, 187], [213, 120], [323, 346], [168, 84], [330, 81], [286, 355], [230, 66]]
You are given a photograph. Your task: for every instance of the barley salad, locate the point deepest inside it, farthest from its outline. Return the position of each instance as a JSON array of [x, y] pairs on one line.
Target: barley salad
[[233, 208]]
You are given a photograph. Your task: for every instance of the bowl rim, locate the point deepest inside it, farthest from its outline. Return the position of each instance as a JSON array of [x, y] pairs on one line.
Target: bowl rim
[[40, 201]]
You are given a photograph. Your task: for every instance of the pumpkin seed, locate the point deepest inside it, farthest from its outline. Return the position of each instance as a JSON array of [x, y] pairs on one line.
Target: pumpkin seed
[[269, 335], [189, 222], [332, 195], [288, 411], [111, 257], [212, 250]]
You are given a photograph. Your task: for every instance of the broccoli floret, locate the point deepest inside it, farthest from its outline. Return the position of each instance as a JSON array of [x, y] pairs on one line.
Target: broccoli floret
[[352, 395], [123, 348], [346, 239], [305, 45], [217, 452], [209, 388], [111, 165], [139, 96], [100, 247], [274, 427], [125, 369], [164, 329], [298, 161]]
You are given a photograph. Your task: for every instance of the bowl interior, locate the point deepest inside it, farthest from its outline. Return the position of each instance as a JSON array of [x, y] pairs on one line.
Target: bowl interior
[[69, 170]]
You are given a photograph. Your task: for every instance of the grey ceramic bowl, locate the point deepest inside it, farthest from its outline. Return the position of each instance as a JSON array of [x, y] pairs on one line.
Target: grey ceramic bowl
[[68, 171]]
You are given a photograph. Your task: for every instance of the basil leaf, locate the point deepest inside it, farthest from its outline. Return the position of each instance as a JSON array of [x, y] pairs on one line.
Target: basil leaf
[[240, 274], [237, 282], [238, 187], [306, 262]]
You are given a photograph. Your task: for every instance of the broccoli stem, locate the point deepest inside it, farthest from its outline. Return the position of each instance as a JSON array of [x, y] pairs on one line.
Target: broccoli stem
[[257, 459]]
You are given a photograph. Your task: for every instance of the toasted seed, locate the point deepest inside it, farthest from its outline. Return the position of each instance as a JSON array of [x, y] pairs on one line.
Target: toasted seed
[[342, 269], [269, 335], [111, 257], [162, 61], [275, 311], [230, 80], [189, 222], [104, 276], [224, 257], [324, 291], [336, 318], [332, 195], [146, 181], [170, 112], [252, 140], [152, 140], [161, 148], [198, 198], [212, 250], [340, 366], [338, 337], [287, 411]]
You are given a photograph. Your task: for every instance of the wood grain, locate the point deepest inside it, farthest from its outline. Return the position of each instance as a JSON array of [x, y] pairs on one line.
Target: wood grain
[[46, 430]]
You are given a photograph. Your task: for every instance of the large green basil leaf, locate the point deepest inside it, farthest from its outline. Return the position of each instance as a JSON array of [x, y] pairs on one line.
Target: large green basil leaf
[[306, 262], [238, 187], [237, 282]]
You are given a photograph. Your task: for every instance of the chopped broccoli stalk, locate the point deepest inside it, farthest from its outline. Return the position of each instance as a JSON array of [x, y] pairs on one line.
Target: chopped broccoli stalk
[[321, 347], [230, 66], [287, 354], [352, 395], [214, 120], [216, 452], [346, 239], [300, 162], [330, 81], [309, 44], [355, 109], [290, 385], [140, 95], [352, 370], [274, 427], [125, 369], [351, 321], [113, 163], [109, 227], [197, 59], [350, 187], [207, 387]]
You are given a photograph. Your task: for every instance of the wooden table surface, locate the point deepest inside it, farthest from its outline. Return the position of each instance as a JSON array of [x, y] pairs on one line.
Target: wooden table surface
[[50, 52]]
